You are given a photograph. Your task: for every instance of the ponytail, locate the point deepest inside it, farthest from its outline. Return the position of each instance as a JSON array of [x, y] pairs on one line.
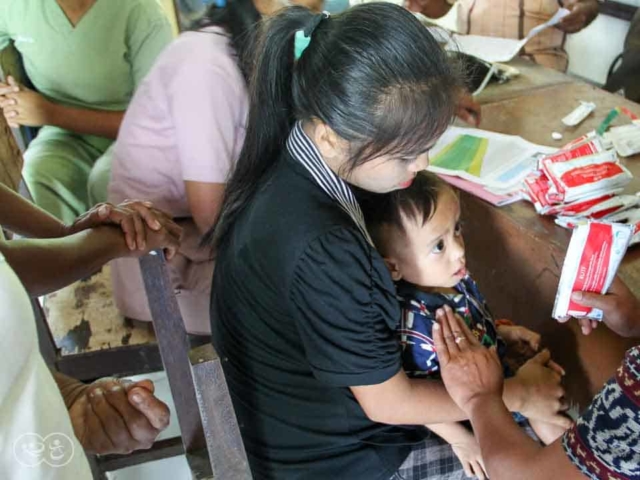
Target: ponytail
[[271, 115]]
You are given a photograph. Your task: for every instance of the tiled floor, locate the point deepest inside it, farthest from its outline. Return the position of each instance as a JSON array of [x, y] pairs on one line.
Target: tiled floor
[[168, 469]]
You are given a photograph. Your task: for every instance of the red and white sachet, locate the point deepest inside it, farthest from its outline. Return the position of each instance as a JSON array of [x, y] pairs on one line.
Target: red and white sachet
[[580, 206], [629, 217], [598, 208], [592, 260], [585, 177], [573, 150], [536, 187]]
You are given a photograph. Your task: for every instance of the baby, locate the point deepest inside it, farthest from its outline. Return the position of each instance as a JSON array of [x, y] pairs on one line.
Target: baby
[[418, 233]]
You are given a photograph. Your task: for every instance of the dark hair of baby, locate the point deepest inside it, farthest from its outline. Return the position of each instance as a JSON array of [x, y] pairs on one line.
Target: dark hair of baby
[[418, 202]]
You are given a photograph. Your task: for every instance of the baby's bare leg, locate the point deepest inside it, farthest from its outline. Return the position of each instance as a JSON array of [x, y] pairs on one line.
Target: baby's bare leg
[[547, 432]]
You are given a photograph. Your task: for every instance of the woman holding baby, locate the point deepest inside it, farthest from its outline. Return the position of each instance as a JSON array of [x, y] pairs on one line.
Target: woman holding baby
[[304, 307]]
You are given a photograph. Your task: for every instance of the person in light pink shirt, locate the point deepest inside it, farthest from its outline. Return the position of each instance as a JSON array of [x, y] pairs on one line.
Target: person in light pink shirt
[[180, 137]]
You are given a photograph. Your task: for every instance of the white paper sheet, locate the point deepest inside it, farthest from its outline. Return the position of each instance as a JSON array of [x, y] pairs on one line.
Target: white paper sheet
[[496, 161], [501, 50]]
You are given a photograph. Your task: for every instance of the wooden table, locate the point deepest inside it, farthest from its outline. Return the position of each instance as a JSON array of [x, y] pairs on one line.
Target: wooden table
[[517, 256], [532, 77]]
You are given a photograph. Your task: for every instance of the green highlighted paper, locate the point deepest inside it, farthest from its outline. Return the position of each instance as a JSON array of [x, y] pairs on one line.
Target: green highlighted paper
[[490, 165], [466, 153]]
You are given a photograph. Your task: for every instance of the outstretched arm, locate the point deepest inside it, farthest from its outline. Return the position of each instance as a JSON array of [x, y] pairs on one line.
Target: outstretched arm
[[474, 379], [47, 265]]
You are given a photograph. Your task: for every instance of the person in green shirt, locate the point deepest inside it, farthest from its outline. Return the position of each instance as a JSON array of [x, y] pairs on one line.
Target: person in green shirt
[[85, 59]]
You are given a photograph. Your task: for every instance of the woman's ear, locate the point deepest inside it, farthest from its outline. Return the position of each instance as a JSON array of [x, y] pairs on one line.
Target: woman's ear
[[393, 267], [331, 146]]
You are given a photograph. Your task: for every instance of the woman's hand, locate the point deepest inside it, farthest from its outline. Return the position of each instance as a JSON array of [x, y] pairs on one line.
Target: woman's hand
[[145, 228], [469, 370], [468, 452], [515, 334], [583, 12], [23, 106], [113, 416], [467, 109], [620, 307]]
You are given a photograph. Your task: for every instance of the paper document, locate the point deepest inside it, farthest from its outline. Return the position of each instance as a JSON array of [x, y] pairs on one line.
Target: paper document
[[501, 50], [480, 192], [497, 162]]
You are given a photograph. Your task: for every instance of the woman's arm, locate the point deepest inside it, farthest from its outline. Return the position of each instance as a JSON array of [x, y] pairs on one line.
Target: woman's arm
[[23, 106], [205, 200], [535, 392], [509, 453], [402, 400], [44, 266], [102, 123], [19, 215], [474, 378]]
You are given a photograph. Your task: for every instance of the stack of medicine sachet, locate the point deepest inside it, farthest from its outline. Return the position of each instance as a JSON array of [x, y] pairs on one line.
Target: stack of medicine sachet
[[583, 182]]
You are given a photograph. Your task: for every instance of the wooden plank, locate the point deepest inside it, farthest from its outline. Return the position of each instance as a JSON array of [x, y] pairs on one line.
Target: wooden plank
[[516, 255], [200, 465], [174, 348], [120, 361], [224, 442], [170, 447]]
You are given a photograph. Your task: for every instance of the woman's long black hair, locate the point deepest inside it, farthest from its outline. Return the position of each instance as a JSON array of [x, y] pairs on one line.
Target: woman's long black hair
[[239, 18], [373, 74]]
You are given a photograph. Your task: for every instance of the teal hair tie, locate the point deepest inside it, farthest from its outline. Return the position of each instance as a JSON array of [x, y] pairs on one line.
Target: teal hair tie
[[303, 37], [300, 43]]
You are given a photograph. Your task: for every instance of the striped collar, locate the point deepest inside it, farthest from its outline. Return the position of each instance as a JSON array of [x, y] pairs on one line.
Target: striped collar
[[304, 151]]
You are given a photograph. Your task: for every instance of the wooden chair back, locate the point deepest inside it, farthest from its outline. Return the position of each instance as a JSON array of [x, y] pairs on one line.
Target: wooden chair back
[[209, 427]]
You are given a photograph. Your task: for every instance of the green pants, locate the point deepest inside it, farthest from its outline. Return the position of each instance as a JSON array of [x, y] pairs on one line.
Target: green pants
[[58, 170]]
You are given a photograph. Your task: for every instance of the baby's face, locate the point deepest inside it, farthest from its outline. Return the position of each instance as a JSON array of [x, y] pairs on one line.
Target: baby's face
[[432, 255]]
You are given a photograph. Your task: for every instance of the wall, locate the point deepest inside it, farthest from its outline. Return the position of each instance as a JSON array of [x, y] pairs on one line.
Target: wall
[[592, 50]]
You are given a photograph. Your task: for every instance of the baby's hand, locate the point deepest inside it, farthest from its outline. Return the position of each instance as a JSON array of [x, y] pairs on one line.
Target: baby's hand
[[513, 334], [468, 452]]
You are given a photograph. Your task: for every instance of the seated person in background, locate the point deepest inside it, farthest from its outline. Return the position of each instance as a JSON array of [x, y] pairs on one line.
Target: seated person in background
[[85, 59], [179, 138], [36, 415], [514, 19], [627, 75], [604, 443], [418, 233]]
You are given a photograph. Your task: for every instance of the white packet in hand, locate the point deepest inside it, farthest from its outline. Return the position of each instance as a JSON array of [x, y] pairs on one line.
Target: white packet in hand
[[593, 257]]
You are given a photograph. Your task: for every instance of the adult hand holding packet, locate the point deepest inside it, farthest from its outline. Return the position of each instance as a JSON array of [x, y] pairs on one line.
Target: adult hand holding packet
[[593, 257]]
